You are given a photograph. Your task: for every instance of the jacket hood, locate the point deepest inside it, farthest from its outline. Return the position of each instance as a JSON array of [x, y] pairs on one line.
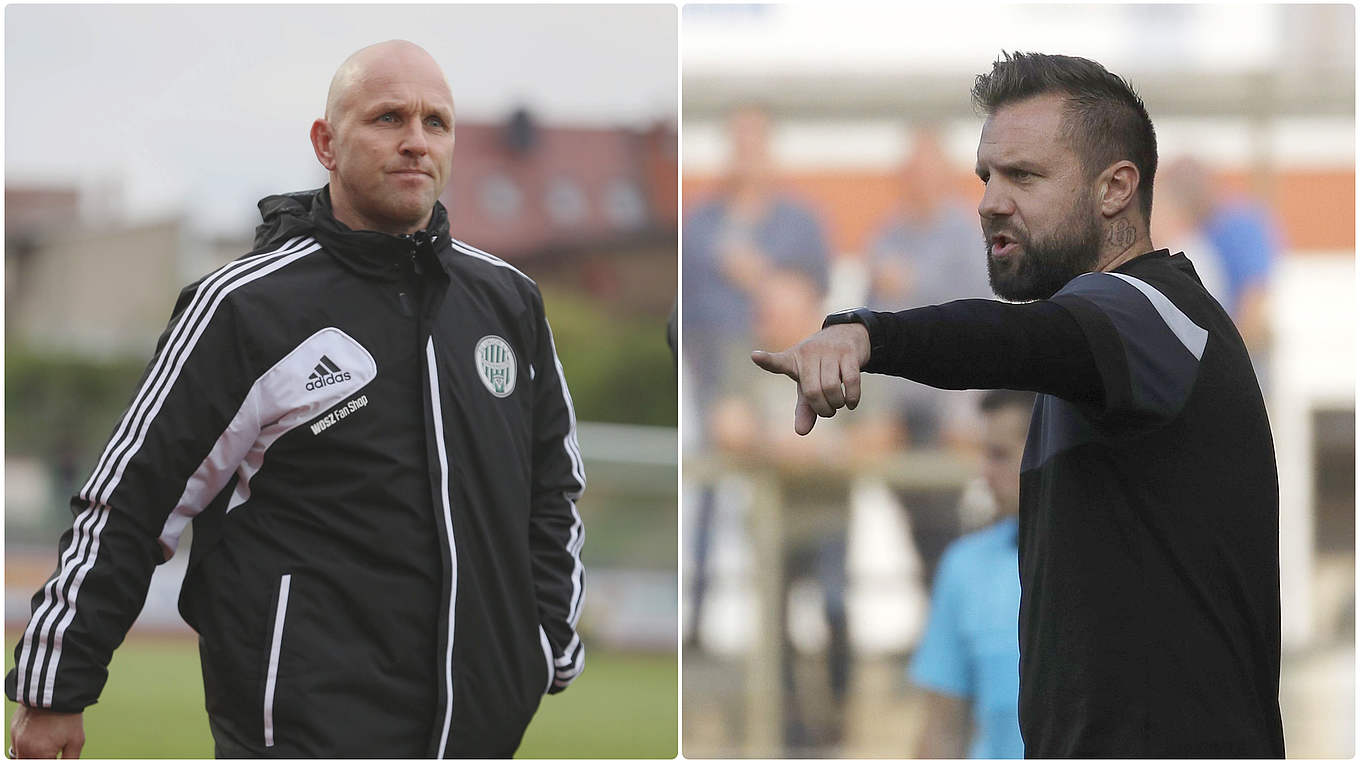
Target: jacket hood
[[308, 212], [284, 216]]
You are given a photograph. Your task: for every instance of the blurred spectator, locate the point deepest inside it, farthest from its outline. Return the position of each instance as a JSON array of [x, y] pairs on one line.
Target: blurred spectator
[[751, 418], [968, 664], [1243, 234], [731, 244], [930, 251], [1174, 227]]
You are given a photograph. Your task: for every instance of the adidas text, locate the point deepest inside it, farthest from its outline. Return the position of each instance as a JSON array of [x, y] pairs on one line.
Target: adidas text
[[321, 382]]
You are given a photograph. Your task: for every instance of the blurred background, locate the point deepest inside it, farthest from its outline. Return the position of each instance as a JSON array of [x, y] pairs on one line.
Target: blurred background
[[827, 163], [137, 142]]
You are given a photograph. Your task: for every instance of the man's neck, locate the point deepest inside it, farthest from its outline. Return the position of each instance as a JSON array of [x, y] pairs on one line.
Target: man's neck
[[1122, 241], [347, 215]]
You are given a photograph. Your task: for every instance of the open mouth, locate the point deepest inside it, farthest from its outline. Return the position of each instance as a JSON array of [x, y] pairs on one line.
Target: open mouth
[[1002, 245]]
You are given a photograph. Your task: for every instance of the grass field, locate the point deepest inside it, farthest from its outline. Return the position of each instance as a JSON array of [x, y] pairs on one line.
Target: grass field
[[624, 705]]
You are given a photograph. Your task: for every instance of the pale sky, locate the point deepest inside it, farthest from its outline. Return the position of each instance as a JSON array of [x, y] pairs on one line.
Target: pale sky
[[947, 36], [205, 109]]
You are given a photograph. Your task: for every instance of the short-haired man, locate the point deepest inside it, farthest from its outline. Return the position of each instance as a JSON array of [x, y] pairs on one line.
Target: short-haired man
[[1149, 538], [366, 423], [968, 664]]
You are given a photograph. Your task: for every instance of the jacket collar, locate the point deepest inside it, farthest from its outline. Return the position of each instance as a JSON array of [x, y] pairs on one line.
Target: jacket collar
[[379, 254], [373, 254]]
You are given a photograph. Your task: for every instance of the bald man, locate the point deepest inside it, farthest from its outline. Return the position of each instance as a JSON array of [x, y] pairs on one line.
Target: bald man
[[365, 422]]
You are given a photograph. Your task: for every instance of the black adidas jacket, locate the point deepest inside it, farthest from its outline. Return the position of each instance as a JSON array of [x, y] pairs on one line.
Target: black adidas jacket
[[373, 440]]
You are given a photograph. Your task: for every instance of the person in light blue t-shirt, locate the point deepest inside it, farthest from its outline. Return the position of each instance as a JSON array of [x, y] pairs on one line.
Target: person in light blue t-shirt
[[968, 664]]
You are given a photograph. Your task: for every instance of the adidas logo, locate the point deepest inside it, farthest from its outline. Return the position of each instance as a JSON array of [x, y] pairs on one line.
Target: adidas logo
[[326, 373]]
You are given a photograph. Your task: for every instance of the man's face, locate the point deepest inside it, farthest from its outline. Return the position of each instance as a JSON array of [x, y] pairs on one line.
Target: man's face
[[1039, 215], [393, 143], [1003, 446]]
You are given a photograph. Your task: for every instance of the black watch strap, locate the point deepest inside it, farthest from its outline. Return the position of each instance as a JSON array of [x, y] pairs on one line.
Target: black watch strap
[[863, 316]]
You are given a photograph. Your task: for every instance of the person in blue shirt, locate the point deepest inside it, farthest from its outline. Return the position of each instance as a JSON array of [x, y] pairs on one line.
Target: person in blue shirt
[[968, 664], [1245, 236]]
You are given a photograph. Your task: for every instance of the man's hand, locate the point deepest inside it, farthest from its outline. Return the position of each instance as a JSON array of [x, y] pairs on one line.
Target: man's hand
[[35, 732], [826, 368]]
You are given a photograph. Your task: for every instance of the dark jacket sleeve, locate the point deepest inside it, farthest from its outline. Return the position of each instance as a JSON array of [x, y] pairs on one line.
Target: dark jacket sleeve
[[556, 532], [977, 343], [1113, 344], [162, 464]]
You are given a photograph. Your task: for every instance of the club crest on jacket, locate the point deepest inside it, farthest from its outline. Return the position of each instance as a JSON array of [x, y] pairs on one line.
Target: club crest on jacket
[[496, 365]]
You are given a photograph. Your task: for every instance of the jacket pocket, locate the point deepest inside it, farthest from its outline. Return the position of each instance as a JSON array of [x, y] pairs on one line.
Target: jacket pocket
[[548, 657], [275, 643]]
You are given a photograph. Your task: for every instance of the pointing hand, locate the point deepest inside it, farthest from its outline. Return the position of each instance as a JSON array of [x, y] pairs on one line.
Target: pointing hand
[[826, 367]]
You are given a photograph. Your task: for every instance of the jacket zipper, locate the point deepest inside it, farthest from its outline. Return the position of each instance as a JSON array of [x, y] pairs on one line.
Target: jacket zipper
[[406, 274], [271, 680], [411, 269], [418, 241]]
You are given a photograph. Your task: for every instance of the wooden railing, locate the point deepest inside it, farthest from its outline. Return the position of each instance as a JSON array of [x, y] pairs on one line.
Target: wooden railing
[[772, 480]]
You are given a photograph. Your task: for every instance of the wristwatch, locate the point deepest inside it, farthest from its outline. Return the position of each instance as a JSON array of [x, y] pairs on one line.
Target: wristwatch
[[864, 317]]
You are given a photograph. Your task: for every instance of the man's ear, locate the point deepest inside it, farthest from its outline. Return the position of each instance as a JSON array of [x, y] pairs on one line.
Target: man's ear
[[323, 142], [1118, 187]]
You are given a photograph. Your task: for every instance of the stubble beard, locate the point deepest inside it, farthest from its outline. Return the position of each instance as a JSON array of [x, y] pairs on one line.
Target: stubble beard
[[394, 212], [1045, 265]]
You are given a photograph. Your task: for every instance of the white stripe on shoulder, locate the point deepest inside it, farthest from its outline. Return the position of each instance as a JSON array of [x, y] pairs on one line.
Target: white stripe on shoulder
[[478, 253], [1191, 335], [161, 380], [209, 286], [275, 405]]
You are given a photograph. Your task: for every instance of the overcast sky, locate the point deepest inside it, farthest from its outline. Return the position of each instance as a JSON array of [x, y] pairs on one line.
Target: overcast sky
[[205, 109], [942, 36]]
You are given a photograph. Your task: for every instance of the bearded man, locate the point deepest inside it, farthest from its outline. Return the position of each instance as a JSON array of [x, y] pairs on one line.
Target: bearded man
[[1148, 535]]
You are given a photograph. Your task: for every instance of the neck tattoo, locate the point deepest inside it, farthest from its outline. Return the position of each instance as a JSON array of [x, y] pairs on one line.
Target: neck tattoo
[[1121, 235]]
